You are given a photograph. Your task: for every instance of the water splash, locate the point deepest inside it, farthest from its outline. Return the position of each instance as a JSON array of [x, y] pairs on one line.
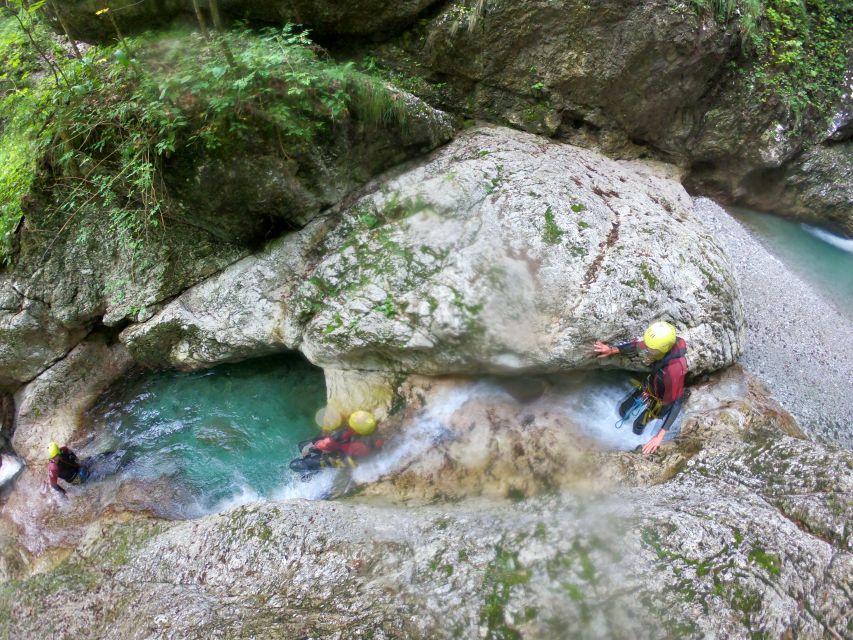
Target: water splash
[[10, 468], [845, 244], [424, 432], [591, 401]]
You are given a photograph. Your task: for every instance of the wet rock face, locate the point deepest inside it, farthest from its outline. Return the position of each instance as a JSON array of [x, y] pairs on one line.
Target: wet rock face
[[746, 534], [324, 17], [53, 299], [258, 184], [631, 78], [30, 339], [614, 65], [818, 187], [50, 407]]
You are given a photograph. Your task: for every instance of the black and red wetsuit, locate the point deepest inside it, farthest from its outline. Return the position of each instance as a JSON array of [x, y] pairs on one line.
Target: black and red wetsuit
[[665, 382], [336, 449], [347, 442], [65, 466]]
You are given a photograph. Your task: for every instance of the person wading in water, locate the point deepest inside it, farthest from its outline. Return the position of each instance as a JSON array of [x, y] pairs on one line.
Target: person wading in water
[[662, 393]]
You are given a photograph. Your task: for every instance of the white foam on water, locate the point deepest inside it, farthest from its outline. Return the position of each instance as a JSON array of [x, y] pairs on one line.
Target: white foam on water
[[594, 408], [317, 487], [244, 494], [11, 467], [427, 429], [845, 244]]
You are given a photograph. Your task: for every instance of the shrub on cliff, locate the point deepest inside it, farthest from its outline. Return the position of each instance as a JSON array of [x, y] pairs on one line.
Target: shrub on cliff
[[116, 116]]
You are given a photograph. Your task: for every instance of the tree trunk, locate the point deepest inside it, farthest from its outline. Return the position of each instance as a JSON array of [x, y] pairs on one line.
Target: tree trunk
[[200, 17], [65, 29]]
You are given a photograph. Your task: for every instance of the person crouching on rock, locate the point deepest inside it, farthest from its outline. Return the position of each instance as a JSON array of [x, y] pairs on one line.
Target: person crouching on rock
[[64, 465], [662, 393]]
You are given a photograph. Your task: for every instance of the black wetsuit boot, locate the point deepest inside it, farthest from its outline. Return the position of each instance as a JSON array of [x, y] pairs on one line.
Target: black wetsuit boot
[[641, 422], [628, 402]]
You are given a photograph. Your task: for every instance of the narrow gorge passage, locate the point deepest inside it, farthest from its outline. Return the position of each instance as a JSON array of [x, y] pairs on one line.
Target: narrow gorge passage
[[820, 257]]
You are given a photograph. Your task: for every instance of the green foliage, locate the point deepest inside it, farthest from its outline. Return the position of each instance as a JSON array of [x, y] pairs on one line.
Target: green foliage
[[748, 12], [22, 106], [802, 51], [796, 50], [118, 116], [552, 234]]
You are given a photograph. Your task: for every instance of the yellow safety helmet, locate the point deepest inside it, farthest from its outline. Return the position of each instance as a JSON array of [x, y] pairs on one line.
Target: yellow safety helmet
[[362, 422], [52, 450], [328, 419], [659, 338]]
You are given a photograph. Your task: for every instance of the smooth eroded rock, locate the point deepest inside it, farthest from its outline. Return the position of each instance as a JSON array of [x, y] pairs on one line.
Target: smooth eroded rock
[[50, 407], [506, 252]]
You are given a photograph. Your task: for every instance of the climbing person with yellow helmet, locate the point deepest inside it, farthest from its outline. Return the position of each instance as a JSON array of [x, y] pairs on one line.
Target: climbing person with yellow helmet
[[340, 447], [63, 464], [662, 393]]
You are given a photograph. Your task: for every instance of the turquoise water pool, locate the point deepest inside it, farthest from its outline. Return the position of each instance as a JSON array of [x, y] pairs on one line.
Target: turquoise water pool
[[221, 436], [818, 256]]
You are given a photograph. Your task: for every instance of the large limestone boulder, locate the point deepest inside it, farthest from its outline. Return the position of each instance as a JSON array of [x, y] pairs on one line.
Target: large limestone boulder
[[238, 314], [506, 252], [503, 252]]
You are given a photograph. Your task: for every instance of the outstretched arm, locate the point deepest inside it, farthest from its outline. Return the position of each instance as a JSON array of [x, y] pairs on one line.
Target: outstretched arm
[[603, 350], [652, 445]]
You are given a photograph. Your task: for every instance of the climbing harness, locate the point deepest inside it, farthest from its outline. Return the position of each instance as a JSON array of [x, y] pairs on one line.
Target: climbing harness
[[643, 402], [638, 406]]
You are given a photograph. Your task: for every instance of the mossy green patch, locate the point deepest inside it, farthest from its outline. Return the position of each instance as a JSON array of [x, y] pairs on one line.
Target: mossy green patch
[[502, 574], [648, 276], [552, 233], [770, 562]]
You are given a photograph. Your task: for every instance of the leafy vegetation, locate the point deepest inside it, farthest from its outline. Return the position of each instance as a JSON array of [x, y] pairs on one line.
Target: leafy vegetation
[[796, 50], [21, 114], [111, 119]]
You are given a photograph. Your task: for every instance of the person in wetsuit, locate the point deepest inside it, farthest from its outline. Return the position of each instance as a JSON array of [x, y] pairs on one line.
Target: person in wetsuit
[[64, 465], [341, 447], [662, 393]]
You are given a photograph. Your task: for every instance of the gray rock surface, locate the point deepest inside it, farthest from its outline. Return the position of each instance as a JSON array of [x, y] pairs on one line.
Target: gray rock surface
[[239, 313], [30, 339], [505, 252], [672, 79], [796, 341], [50, 408], [745, 535], [502, 252]]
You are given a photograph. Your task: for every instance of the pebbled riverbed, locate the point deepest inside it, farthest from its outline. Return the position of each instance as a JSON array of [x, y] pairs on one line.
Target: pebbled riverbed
[[798, 341]]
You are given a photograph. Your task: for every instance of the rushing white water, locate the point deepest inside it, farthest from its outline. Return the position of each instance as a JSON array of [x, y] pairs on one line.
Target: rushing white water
[[10, 468], [429, 428], [591, 401], [845, 244]]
